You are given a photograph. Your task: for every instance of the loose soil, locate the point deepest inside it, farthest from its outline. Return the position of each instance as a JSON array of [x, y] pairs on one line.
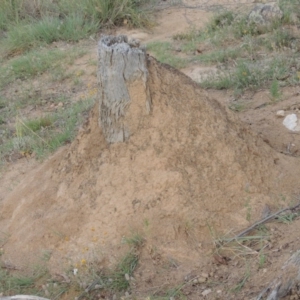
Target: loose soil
[[193, 172]]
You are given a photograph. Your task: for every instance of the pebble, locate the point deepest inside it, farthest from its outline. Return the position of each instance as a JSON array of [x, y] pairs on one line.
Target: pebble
[[127, 277], [280, 113], [206, 292], [205, 275], [201, 279], [291, 122]]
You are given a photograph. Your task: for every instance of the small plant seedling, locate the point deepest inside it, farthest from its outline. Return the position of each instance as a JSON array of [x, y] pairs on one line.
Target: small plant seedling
[[164, 53], [136, 240], [287, 218], [236, 107], [262, 259], [275, 90], [249, 211], [243, 281], [146, 223], [124, 270]]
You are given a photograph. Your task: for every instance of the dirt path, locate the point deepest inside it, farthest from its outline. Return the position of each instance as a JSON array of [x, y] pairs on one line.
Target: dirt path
[[175, 17]]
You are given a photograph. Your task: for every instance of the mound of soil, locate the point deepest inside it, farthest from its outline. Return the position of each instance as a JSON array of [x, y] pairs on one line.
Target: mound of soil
[[190, 168]]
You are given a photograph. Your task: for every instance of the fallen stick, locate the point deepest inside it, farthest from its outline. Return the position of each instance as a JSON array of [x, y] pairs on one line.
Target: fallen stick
[[263, 221]]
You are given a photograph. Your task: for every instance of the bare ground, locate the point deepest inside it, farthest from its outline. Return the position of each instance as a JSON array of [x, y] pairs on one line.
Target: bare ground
[[188, 178]]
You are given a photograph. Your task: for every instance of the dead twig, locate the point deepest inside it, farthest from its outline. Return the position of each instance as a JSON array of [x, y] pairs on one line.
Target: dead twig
[[263, 221]]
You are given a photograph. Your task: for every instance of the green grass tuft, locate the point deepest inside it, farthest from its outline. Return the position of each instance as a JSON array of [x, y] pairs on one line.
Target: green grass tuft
[[163, 52], [44, 135], [35, 63], [28, 24], [127, 266], [275, 90], [22, 37], [136, 240], [250, 56]]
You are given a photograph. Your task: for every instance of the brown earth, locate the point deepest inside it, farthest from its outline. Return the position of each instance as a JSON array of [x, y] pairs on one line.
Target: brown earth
[[192, 173]]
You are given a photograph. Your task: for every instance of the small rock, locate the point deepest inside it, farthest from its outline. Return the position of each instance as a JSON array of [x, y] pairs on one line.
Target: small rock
[[205, 275], [206, 292], [195, 281], [127, 277], [202, 279], [127, 295], [280, 113], [291, 122], [60, 104]]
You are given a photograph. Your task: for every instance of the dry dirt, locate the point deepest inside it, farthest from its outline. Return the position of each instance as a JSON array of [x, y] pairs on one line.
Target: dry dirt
[[194, 171]]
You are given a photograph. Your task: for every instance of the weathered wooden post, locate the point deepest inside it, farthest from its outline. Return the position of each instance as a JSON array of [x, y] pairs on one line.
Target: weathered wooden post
[[123, 92]]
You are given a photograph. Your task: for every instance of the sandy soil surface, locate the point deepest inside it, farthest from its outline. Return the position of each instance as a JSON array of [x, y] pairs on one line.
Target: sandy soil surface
[[195, 171]]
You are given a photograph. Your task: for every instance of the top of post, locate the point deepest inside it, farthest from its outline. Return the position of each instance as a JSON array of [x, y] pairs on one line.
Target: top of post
[[120, 43]]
